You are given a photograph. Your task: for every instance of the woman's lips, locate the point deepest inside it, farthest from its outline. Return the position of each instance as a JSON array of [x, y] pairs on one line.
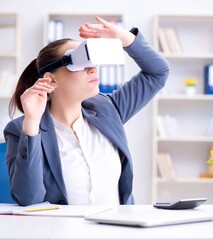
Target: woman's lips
[[94, 81]]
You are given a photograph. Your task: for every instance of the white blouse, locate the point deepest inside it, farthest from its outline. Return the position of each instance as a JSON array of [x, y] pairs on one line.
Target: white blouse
[[90, 164]]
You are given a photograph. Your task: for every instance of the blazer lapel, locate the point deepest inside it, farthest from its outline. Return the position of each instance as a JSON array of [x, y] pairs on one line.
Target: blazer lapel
[[50, 146]]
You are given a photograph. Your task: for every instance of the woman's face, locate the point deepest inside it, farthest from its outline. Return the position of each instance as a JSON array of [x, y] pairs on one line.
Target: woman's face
[[77, 86]]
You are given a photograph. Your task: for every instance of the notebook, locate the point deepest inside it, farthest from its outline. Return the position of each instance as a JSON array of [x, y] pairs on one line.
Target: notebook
[[148, 216]]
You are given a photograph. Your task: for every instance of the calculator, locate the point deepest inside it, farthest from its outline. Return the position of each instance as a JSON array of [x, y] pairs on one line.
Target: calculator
[[181, 204]]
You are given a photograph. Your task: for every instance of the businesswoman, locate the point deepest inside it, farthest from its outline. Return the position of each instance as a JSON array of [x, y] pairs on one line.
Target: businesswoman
[[70, 147]]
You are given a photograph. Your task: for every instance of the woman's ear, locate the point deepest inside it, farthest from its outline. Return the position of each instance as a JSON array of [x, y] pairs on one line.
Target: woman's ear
[[49, 75]]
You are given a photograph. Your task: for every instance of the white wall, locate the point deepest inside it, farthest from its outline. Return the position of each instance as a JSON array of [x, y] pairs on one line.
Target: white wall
[[136, 13]]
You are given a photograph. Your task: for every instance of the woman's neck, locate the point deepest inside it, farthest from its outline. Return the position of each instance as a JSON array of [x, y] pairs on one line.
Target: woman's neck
[[66, 114]]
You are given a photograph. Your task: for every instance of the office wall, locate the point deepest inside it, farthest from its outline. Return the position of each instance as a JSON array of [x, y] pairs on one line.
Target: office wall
[[136, 13]]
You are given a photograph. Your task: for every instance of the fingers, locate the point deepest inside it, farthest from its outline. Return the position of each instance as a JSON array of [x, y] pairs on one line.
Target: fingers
[[91, 30], [41, 86], [89, 33], [44, 84], [96, 27], [48, 80], [103, 22], [93, 27], [102, 29]]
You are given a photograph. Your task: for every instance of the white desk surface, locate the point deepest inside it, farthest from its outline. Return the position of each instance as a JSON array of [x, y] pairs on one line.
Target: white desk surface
[[36, 227]]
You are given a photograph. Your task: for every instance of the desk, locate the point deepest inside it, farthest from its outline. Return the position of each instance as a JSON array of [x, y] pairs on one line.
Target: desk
[[29, 227]]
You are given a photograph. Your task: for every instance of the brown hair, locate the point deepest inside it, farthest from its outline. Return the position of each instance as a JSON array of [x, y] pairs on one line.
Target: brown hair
[[29, 76]]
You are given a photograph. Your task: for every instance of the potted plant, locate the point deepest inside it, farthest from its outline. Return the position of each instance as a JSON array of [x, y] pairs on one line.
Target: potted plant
[[190, 86]]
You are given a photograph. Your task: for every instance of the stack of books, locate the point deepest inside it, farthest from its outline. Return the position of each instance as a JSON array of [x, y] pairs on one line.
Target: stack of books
[[167, 126], [7, 39], [165, 166], [169, 41], [56, 30]]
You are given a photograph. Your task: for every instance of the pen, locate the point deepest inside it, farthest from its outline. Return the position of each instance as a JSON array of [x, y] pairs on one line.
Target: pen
[[42, 209]]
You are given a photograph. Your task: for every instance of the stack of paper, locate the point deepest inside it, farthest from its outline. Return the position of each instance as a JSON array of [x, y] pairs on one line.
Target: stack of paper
[[48, 209]]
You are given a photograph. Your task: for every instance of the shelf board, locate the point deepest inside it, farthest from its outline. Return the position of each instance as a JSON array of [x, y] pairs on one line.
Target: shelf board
[[11, 53], [8, 97], [185, 139], [177, 97], [188, 56], [183, 17], [185, 180]]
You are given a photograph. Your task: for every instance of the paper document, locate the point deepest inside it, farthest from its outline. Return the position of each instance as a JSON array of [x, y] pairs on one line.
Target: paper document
[[48, 209], [8, 208]]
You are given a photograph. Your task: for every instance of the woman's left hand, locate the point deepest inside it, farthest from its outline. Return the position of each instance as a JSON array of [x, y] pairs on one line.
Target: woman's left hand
[[105, 29]]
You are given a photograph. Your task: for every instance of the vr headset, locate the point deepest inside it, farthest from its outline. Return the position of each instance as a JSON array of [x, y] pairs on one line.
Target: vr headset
[[94, 52]]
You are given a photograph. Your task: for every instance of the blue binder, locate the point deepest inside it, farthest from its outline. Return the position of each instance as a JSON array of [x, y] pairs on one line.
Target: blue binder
[[208, 79]]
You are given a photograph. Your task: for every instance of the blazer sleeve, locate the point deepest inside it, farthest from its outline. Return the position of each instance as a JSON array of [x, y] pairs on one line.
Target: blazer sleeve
[[143, 86], [24, 161]]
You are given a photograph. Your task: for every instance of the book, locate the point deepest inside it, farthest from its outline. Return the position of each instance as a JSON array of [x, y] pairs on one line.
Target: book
[[173, 40], [59, 29], [164, 46], [119, 76], [160, 123], [208, 79], [51, 33], [56, 30], [209, 131], [104, 77], [7, 39], [167, 126], [7, 83], [171, 125], [165, 166]]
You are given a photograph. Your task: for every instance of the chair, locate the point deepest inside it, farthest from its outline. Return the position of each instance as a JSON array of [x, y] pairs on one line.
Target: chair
[[5, 196]]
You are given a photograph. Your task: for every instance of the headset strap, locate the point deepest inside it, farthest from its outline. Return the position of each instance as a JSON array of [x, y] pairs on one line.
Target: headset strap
[[51, 67]]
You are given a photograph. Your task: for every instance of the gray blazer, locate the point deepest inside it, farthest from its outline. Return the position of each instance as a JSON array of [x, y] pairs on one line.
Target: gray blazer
[[34, 162]]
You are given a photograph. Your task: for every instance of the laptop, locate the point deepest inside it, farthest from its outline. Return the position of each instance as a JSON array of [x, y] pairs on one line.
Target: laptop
[[148, 216]]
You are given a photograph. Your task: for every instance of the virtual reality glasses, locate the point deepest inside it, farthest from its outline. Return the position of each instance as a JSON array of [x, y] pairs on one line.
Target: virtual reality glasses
[[94, 52]]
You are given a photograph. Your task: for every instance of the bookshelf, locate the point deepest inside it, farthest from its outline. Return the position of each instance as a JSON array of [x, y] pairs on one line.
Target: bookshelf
[[64, 25], [9, 62], [183, 123]]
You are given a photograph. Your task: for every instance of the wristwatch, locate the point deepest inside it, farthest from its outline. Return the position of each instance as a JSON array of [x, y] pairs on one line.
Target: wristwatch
[[134, 31]]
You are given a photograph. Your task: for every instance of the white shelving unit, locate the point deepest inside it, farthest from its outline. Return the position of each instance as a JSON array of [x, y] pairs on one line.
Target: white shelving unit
[[65, 25], [9, 61], [188, 137], [72, 22]]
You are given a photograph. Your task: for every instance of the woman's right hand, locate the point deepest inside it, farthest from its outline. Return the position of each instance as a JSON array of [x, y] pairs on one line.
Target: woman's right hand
[[34, 101]]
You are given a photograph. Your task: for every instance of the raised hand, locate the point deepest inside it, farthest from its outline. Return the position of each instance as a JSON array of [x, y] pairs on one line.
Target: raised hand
[[34, 101], [106, 29]]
